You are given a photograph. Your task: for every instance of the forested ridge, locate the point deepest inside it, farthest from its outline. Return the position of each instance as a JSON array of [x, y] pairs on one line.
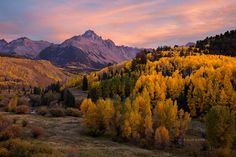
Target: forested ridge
[[223, 44], [16, 72], [152, 98], [196, 82]]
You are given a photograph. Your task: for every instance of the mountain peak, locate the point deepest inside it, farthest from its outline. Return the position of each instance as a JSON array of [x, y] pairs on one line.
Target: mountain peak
[[190, 44], [110, 43], [23, 38], [3, 41], [90, 34], [23, 47], [20, 40], [87, 51]]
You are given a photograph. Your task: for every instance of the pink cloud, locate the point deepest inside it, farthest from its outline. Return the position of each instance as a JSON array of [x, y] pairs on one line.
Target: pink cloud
[[140, 24]]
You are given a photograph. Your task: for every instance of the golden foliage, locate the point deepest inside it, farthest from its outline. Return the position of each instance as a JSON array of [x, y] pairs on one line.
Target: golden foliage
[[162, 137]]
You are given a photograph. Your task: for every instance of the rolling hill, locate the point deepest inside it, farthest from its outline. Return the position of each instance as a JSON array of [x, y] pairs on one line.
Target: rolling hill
[[27, 72]]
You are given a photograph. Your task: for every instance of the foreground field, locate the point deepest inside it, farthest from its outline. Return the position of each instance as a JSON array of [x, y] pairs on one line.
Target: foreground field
[[65, 134]]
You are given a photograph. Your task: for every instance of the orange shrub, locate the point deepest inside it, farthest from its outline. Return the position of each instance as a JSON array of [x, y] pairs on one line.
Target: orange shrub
[[12, 104], [10, 132], [23, 109], [3, 152], [37, 132], [24, 123]]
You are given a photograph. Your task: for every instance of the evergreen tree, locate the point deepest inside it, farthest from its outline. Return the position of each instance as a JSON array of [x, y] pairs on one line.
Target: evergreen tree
[[85, 83]]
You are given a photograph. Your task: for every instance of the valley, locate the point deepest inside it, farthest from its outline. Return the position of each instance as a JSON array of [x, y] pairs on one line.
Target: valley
[[123, 78]]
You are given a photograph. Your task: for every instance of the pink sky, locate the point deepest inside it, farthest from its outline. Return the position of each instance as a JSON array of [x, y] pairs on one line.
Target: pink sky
[[139, 23]]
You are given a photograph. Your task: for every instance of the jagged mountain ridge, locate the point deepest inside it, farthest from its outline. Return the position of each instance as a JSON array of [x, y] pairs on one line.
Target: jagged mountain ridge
[[23, 47], [87, 51], [2, 43]]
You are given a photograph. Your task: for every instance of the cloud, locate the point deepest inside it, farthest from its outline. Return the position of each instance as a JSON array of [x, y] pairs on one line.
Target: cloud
[[128, 22]]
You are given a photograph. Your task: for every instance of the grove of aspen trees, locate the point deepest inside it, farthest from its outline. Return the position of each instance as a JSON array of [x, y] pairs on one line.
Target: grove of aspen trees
[[152, 99]]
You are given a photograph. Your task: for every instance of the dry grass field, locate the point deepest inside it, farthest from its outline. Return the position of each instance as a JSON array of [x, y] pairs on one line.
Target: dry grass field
[[65, 134]]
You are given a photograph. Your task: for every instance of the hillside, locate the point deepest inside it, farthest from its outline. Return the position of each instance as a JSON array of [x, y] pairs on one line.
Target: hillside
[[19, 71], [161, 93], [223, 44], [87, 51]]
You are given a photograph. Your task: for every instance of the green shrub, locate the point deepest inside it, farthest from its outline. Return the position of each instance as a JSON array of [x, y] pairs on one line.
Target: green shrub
[[57, 112], [37, 132], [42, 111], [73, 112], [220, 127], [23, 109]]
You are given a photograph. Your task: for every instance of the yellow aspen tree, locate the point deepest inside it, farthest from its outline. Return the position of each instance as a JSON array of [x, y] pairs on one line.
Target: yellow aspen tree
[[106, 112], [85, 105], [135, 124], [91, 116], [12, 104], [126, 132], [175, 85], [162, 137], [223, 98], [117, 119], [166, 113], [146, 114], [181, 126], [126, 127]]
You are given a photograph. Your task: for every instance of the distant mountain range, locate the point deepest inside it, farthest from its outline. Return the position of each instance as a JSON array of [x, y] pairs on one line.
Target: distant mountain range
[[86, 51], [23, 47]]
